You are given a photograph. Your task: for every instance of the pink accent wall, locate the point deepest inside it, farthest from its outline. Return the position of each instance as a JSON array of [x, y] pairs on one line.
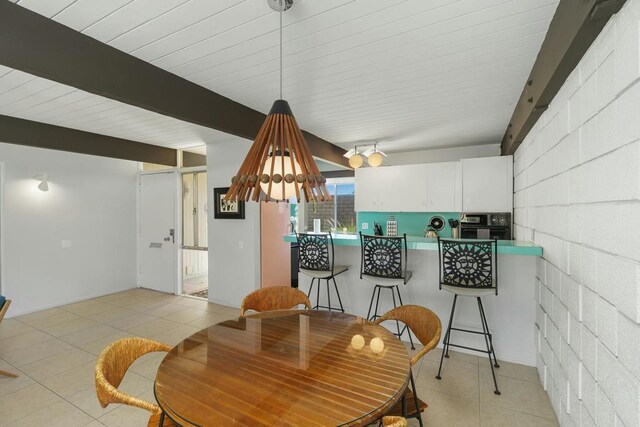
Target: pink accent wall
[[275, 254]]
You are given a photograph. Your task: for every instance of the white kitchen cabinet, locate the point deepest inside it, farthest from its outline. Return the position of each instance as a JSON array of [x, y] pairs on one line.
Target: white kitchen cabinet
[[441, 185], [378, 189], [413, 188], [487, 184]]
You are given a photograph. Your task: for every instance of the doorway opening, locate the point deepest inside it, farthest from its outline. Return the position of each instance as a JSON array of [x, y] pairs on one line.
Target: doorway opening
[[195, 261]]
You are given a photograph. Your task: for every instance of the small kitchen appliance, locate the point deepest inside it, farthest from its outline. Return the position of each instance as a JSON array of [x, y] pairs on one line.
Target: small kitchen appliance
[[485, 226]]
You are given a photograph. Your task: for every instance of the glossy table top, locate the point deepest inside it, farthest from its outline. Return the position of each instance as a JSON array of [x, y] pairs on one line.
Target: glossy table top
[[505, 247], [283, 368]]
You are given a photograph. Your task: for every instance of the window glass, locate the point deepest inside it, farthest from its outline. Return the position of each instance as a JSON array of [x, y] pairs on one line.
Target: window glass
[[338, 215]]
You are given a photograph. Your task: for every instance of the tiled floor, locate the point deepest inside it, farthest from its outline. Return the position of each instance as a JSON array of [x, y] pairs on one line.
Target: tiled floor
[[54, 352]]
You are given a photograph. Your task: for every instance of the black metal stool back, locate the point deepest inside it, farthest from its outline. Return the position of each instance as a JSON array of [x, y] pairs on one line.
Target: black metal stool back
[[315, 259], [469, 268], [383, 261], [384, 256], [468, 263], [316, 251]]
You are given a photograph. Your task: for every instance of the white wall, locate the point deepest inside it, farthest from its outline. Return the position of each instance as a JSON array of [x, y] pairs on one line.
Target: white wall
[[92, 202], [443, 154], [234, 245], [577, 193]]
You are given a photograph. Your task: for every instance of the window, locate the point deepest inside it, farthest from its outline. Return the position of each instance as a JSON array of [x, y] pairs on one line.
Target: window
[[338, 215]]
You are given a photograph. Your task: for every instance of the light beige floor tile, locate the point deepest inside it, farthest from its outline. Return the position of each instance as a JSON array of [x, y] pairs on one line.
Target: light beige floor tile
[[72, 381], [36, 352], [96, 347], [10, 385], [517, 395], [87, 401], [96, 423], [155, 327], [52, 318], [147, 365], [456, 359], [513, 370], [86, 308], [24, 402], [22, 341], [54, 365], [147, 306], [135, 384], [131, 321], [60, 414], [165, 310], [175, 335], [495, 416], [114, 313], [125, 416], [210, 319], [186, 315], [459, 382], [446, 410], [11, 328], [199, 303], [90, 334], [128, 301], [69, 327]]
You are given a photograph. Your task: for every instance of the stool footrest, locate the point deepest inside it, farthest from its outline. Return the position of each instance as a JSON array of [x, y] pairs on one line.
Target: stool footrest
[[469, 348], [468, 330]]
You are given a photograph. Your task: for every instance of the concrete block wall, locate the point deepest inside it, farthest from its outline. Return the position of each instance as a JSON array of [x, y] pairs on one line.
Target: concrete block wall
[[577, 193]]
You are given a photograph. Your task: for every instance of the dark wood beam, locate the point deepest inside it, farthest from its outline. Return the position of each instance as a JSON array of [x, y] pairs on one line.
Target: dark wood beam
[[43, 47], [36, 134], [575, 25]]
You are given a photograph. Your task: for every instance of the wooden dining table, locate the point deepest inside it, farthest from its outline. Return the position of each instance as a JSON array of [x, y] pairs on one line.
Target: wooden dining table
[[284, 368]]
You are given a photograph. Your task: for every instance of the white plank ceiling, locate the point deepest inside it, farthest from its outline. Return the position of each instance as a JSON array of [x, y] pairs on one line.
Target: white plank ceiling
[[411, 74]]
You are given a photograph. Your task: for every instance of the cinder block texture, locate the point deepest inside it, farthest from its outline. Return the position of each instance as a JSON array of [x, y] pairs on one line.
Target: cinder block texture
[[577, 194]]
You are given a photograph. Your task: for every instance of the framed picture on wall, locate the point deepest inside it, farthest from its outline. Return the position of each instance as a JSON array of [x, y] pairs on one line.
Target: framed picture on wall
[[232, 209]]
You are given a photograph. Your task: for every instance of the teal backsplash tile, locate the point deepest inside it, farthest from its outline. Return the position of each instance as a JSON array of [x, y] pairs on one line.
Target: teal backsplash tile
[[411, 223]]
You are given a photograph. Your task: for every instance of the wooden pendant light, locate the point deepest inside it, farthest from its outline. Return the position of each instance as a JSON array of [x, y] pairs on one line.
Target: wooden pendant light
[[286, 175]]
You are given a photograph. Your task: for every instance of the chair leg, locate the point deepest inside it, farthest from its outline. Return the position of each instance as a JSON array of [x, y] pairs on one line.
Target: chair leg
[[310, 288], [484, 317], [338, 293], [375, 313], [8, 374], [373, 296], [413, 347], [447, 336], [394, 306], [318, 296], [485, 330], [453, 310], [415, 399], [328, 296], [161, 421]]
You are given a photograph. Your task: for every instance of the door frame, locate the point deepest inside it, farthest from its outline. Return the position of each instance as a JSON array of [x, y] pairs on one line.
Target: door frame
[[177, 212]]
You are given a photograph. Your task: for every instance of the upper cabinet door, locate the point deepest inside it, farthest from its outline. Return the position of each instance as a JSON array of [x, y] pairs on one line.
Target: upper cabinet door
[[413, 188], [441, 184], [366, 195], [487, 184], [388, 181]]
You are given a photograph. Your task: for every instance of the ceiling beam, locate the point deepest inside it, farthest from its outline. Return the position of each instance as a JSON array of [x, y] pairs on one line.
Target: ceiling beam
[[40, 46], [575, 25], [42, 135]]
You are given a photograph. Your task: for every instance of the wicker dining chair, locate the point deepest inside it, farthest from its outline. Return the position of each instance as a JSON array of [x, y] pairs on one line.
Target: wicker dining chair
[[274, 298], [394, 422], [426, 326], [4, 307], [111, 367]]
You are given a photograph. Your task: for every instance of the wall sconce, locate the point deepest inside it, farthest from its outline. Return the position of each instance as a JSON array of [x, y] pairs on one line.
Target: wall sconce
[[44, 182]]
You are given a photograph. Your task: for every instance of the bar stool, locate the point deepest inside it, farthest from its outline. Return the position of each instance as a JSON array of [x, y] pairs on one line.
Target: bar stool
[[469, 268], [383, 262], [316, 261]]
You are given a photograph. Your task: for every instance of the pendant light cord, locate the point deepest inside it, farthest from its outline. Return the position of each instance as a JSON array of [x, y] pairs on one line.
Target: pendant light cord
[[281, 12]]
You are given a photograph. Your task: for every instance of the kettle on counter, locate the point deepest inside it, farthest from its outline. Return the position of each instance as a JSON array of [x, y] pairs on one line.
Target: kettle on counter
[[430, 233]]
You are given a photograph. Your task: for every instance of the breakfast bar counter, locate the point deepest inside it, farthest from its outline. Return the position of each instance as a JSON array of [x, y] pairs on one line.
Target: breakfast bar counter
[[511, 314]]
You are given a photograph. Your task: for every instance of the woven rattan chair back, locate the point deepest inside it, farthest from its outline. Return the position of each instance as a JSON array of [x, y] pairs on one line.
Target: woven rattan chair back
[[394, 422], [424, 323], [315, 251], [383, 256], [274, 298], [112, 366], [471, 264]]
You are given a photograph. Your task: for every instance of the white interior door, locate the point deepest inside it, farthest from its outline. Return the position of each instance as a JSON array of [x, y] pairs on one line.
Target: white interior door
[[158, 251]]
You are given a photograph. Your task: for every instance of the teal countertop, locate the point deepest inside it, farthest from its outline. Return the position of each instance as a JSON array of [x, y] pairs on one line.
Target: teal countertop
[[505, 247]]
